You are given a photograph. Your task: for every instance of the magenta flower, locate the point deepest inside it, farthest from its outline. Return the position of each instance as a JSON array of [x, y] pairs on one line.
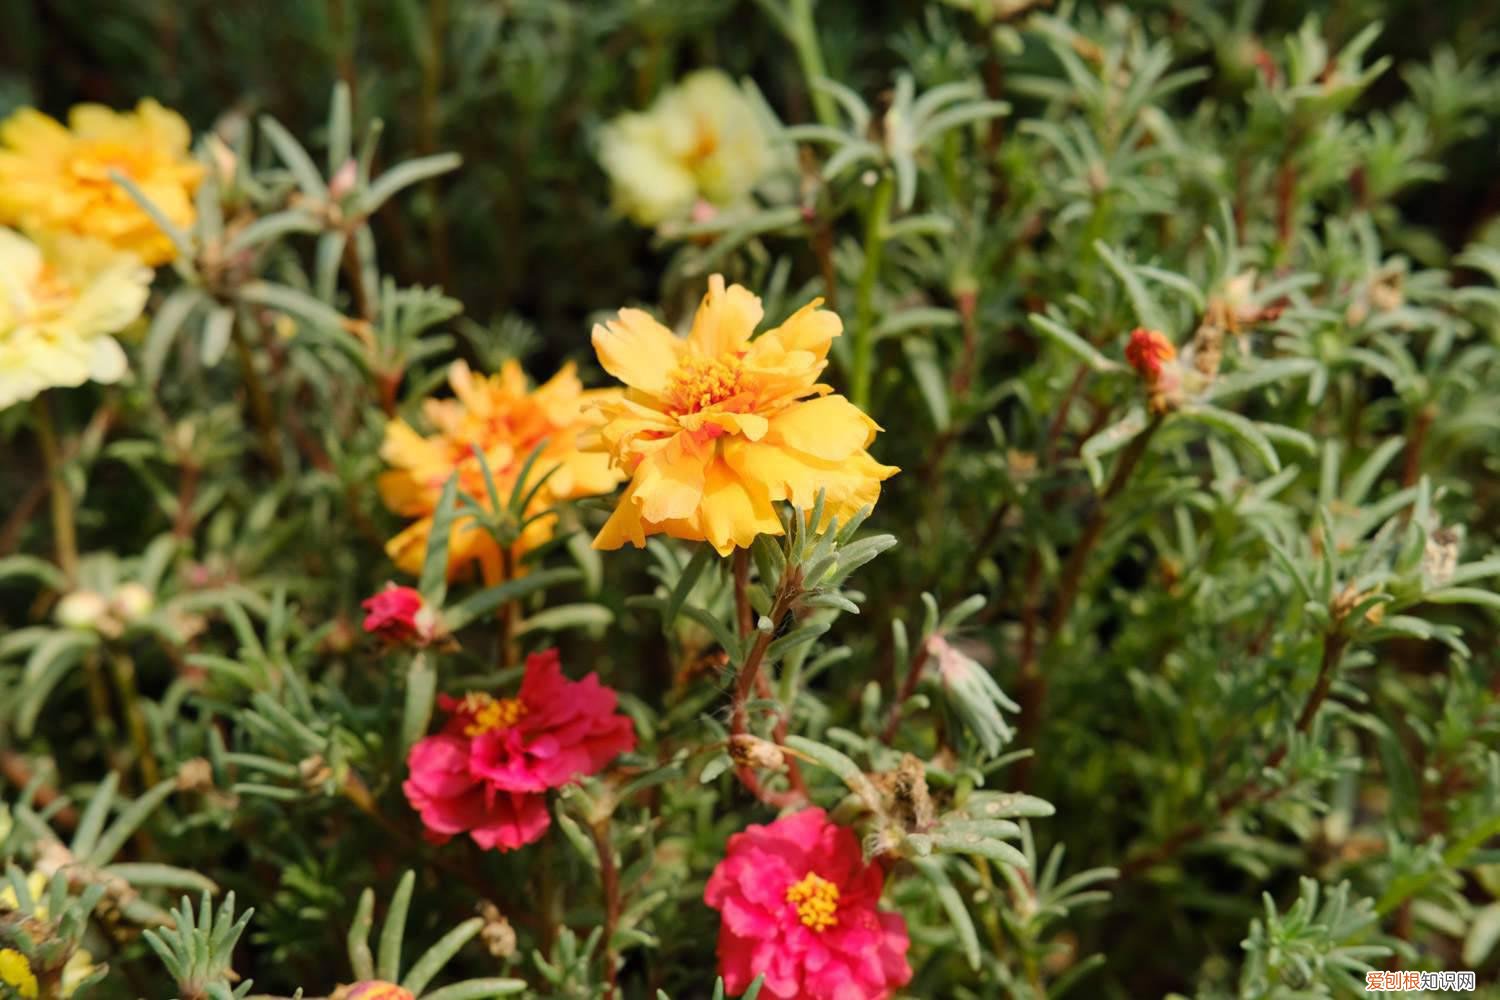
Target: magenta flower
[[395, 614], [486, 773], [799, 904]]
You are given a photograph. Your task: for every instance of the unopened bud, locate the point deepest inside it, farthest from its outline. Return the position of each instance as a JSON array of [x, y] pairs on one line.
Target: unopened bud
[[132, 601], [343, 180], [81, 609], [973, 694]]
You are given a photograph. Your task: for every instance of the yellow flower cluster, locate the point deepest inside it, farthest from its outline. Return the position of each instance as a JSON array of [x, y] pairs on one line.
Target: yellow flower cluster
[[716, 428], [80, 272], [505, 421], [57, 179], [702, 139], [61, 298]]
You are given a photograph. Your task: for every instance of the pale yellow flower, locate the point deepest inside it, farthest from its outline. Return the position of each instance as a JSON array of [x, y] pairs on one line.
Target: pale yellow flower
[[57, 179], [60, 300], [702, 139]]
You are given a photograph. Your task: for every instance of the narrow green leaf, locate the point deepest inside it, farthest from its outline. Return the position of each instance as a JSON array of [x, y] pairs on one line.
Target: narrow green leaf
[[388, 966], [433, 960]]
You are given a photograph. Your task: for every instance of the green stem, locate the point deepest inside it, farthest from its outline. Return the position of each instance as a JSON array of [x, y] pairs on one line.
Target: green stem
[[803, 31], [260, 401], [864, 317], [122, 669], [64, 529]]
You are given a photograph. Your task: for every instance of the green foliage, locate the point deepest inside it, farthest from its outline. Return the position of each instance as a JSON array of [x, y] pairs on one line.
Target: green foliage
[[1135, 682]]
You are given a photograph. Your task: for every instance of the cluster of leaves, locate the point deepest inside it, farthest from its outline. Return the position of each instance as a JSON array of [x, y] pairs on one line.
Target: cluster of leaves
[[1227, 639]]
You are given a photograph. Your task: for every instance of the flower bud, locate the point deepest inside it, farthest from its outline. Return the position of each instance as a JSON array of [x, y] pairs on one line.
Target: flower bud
[[81, 609], [972, 694], [1147, 352], [400, 617], [343, 180], [132, 601]]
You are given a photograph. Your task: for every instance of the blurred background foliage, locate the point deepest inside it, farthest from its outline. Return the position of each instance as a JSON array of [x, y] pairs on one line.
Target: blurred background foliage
[[1179, 657]]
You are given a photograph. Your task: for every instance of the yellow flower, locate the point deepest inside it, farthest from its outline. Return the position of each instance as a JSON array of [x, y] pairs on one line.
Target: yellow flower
[[716, 428], [701, 139], [56, 179], [15, 972], [497, 415], [60, 299]]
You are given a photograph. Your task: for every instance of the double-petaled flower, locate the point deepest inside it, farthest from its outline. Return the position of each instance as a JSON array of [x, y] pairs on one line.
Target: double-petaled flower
[[486, 773], [57, 179], [719, 426], [799, 905], [61, 300], [498, 417]]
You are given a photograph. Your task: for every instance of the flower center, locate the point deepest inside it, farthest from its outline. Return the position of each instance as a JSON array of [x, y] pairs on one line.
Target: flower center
[[487, 714], [816, 900], [705, 141], [698, 383]]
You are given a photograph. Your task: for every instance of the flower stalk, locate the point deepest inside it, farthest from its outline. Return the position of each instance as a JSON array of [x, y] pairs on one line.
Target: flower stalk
[[64, 528], [876, 217]]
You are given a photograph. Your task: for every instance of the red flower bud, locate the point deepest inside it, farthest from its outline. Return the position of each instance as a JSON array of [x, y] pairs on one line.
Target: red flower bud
[[1147, 351], [392, 614]]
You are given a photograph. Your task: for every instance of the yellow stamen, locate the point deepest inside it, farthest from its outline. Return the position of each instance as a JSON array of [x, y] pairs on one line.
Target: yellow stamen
[[817, 901], [488, 714], [698, 383]]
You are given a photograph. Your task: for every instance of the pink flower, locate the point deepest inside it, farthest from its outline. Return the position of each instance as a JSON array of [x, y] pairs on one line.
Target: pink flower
[[486, 772], [554, 731], [451, 799], [799, 904], [393, 613]]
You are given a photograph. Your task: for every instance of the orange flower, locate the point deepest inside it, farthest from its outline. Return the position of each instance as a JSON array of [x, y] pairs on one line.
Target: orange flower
[[716, 428], [505, 422]]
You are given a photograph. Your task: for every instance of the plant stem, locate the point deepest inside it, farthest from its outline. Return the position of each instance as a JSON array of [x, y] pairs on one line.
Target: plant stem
[[64, 529], [803, 31], [1250, 790], [908, 687], [1072, 575], [509, 655], [864, 322], [122, 670], [749, 677], [609, 879], [1033, 691], [260, 401]]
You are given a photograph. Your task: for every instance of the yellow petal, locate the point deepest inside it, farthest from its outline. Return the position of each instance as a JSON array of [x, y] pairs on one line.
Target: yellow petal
[[829, 428], [734, 511], [624, 525], [669, 481], [637, 350], [725, 319]]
